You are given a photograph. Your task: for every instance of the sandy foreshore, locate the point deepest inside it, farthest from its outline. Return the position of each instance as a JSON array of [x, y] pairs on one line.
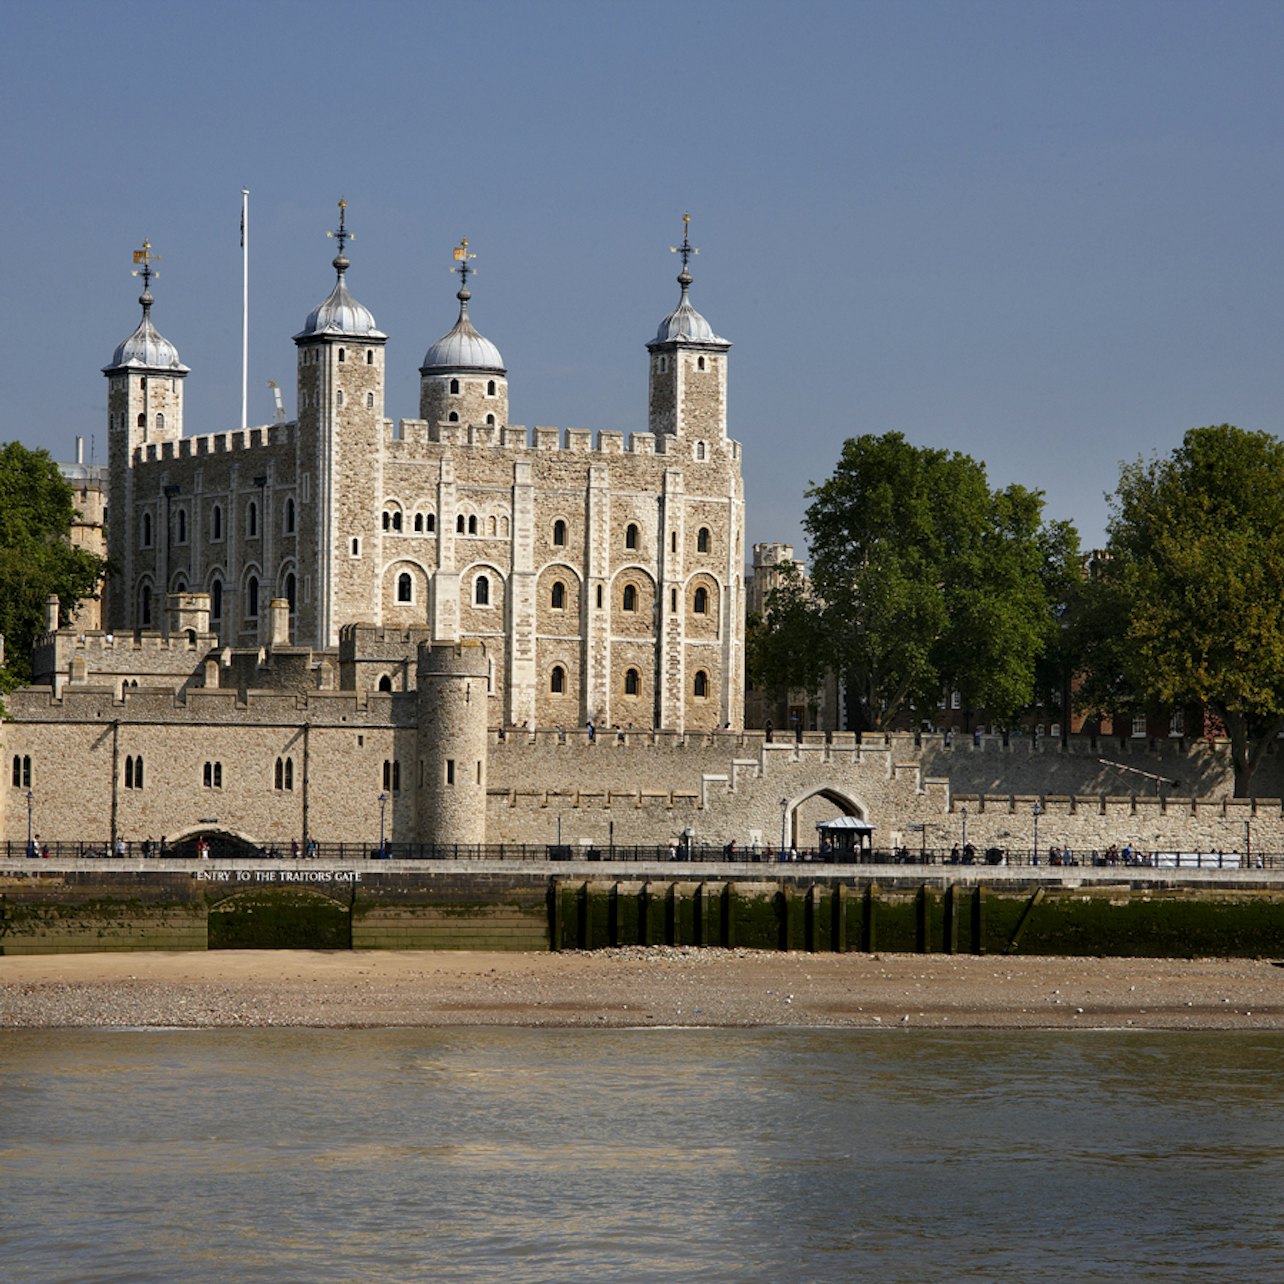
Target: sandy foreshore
[[635, 987]]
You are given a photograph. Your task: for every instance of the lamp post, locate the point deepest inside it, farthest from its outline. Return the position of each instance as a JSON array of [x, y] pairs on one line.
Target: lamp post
[[784, 814], [1038, 811], [383, 809], [31, 802], [965, 831]]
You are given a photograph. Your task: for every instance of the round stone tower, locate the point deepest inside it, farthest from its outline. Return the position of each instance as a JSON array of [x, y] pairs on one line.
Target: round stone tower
[[452, 681]]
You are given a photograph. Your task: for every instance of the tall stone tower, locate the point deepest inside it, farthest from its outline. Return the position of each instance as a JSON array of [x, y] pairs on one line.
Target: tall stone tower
[[688, 384], [341, 425], [451, 699], [144, 406]]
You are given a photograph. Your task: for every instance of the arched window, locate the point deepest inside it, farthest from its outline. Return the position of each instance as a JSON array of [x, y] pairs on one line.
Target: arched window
[[160, 423], [404, 587], [557, 680], [419, 522], [700, 450], [252, 519], [702, 540], [700, 688], [663, 365], [145, 604], [490, 387], [459, 524], [631, 682], [430, 522], [559, 533], [699, 363], [700, 601], [252, 598], [370, 401], [289, 773], [356, 546], [291, 590], [289, 517], [338, 397], [216, 599], [481, 591], [472, 524], [490, 419], [630, 600], [599, 597], [142, 421], [396, 519], [630, 536], [284, 775], [216, 522], [133, 771], [558, 599], [454, 387], [453, 417], [491, 526], [182, 526], [385, 683], [180, 584], [369, 356], [147, 530], [343, 356], [22, 771], [387, 520]]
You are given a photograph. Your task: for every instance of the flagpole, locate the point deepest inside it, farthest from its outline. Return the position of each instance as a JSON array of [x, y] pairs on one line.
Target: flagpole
[[245, 305]]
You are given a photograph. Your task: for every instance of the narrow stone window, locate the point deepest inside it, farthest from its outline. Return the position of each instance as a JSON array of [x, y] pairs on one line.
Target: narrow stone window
[[289, 773], [396, 519], [182, 526], [481, 591], [291, 590], [160, 423], [453, 417], [699, 363], [338, 397], [700, 687], [133, 771], [385, 683], [559, 533], [699, 450], [252, 598], [404, 587], [370, 401], [147, 530], [700, 601], [702, 540], [630, 599], [145, 605], [631, 682], [369, 356], [216, 600], [490, 419], [557, 681], [419, 523], [599, 597], [454, 387], [252, 520], [213, 775], [430, 522], [387, 520], [490, 387], [558, 598], [356, 546], [459, 524], [450, 771], [630, 536], [472, 524], [22, 771]]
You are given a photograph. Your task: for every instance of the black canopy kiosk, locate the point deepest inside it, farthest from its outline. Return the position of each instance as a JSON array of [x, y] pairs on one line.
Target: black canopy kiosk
[[847, 838]]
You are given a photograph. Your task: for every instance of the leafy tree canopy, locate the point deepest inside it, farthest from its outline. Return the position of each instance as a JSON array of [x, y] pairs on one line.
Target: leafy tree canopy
[[1189, 604], [924, 579], [36, 558]]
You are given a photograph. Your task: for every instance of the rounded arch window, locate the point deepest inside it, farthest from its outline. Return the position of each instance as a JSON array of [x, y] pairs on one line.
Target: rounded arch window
[[343, 356], [216, 599], [630, 598], [700, 687], [700, 602], [370, 401], [142, 421], [557, 680], [557, 599], [559, 533], [631, 536], [147, 530], [145, 604], [472, 524], [699, 363], [459, 524], [216, 522], [387, 520], [252, 598], [291, 591], [430, 522], [385, 683], [369, 356], [481, 590], [252, 520], [182, 525], [631, 682], [396, 519], [490, 419], [702, 540], [490, 387], [419, 522], [454, 387], [453, 417], [289, 517], [699, 450], [405, 589]]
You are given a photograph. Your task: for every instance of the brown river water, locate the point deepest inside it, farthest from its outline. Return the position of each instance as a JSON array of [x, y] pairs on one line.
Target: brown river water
[[638, 1155]]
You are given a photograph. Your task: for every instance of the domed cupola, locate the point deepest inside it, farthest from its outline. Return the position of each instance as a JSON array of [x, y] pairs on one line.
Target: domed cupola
[[688, 378], [462, 379], [146, 349], [340, 316]]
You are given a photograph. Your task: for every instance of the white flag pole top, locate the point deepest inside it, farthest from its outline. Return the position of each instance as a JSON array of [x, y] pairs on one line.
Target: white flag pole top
[[245, 305]]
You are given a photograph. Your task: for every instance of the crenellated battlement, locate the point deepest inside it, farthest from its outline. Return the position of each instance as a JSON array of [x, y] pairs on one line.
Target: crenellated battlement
[[406, 438], [217, 443]]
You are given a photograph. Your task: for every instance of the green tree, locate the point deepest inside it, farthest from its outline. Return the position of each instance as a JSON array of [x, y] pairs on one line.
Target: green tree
[[926, 580], [785, 647], [36, 557], [1189, 605]]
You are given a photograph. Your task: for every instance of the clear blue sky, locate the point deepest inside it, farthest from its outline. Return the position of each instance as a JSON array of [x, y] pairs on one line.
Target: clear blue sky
[[1046, 234]]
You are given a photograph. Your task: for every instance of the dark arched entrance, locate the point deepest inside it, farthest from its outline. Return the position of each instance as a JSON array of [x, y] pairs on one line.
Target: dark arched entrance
[[280, 918], [223, 846]]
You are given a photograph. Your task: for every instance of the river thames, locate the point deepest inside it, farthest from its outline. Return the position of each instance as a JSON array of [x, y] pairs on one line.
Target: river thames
[[658, 1154]]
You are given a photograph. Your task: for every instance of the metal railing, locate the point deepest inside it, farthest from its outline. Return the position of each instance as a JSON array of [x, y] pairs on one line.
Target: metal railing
[[223, 849]]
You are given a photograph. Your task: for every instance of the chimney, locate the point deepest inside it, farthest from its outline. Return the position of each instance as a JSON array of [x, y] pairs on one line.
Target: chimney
[[280, 612], [80, 450], [51, 613]]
